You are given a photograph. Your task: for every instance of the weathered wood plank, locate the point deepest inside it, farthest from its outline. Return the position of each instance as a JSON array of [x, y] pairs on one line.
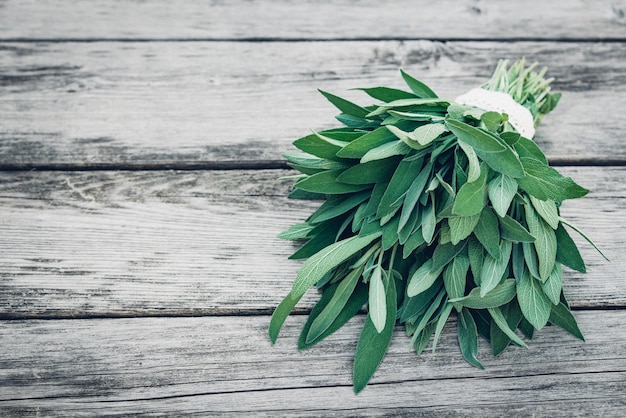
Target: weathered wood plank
[[108, 19], [214, 365], [183, 243], [85, 104]]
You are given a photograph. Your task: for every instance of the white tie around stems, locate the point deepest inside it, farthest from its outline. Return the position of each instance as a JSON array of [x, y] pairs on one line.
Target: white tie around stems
[[519, 117]]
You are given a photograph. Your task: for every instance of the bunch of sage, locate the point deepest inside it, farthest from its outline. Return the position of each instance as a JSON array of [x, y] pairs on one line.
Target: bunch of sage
[[433, 207]]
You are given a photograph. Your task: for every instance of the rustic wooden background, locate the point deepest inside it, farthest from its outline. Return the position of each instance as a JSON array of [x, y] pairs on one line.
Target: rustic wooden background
[[140, 151]]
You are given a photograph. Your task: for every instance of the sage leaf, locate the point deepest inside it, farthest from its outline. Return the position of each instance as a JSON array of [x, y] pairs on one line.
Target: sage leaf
[[553, 285], [545, 183], [512, 230], [492, 150], [386, 150], [297, 231], [461, 227], [561, 316], [424, 337], [527, 148], [494, 269], [533, 302], [470, 198], [476, 255], [499, 319], [387, 94], [474, 164], [502, 190], [417, 87], [488, 232], [500, 295], [326, 182], [335, 305], [467, 335], [399, 184], [414, 193], [445, 253], [336, 206], [281, 313], [567, 252], [345, 106], [545, 242], [547, 210], [376, 305], [327, 259], [429, 222], [422, 279], [372, 344], [360, 146], [426, 134], [370, 172], [455, 277], [441, 322]]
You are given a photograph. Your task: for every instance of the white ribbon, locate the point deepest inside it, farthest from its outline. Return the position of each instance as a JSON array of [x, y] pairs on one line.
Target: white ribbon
[[519, 117]]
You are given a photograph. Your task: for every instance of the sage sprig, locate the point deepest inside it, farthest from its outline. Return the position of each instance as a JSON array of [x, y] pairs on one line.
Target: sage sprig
[[433, 208]]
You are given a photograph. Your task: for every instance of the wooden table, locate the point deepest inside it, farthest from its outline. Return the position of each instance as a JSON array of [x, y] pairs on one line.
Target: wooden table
[[140, 156]]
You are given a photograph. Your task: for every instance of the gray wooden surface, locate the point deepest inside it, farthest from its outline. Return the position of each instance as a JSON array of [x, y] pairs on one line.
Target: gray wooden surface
[[140, 156]]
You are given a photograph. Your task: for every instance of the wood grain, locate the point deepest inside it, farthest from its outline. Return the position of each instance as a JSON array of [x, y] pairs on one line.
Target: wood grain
[[220, 365], [283, 19], [80, 244], [68, 105]]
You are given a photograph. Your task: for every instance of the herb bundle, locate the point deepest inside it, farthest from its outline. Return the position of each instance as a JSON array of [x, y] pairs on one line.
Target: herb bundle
[[433, 207]]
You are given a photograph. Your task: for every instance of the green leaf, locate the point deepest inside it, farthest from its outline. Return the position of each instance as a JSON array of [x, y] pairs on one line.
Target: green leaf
[[376, 306], [562, 317], [499, 340], [414, 193], [429, 222], [461, 227], [470, 198], [500, 321], [346, 106], [317, 145], [545, 183], [386, 150], [468, 338], [337, 205], [512, 230], [553, 285], [502, 190], [488, 232], [334, 307], [387, 94], [281, 313], [547, 210], [500, 295], [426, 134], [297, 231], [585, 237], [326, 260], [455, 276], [476, 256], [494, 268], [473, 172], [422, 279], [441, 322], [326, 182], [492, 150], [491, 120], [424, 337], [399, 184], [352, 307], [530, 257], [360, 146], [527, 148], [370, 172], [372, 344], [533, 302], [567, 252], [445, 253], [419, 88], [545, 242]]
